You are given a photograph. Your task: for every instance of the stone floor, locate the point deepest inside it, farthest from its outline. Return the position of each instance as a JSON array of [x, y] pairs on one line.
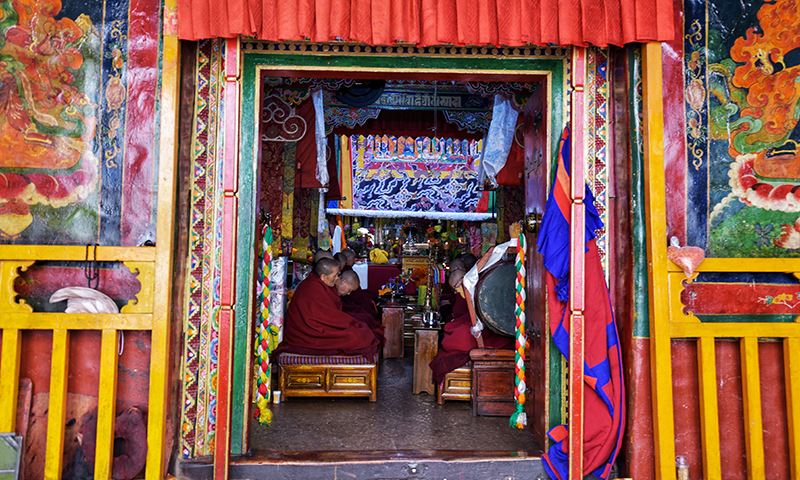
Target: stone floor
[[398, 421]]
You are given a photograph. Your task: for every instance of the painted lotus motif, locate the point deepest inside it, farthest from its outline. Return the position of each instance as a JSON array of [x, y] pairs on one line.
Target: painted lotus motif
[[696, 94]]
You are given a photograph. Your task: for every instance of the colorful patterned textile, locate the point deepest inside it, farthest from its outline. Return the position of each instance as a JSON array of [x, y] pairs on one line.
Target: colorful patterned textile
[[604, 391], [471, 122], [349, 117], [595, 135], [408, 174], [201, 329], [297, 359]]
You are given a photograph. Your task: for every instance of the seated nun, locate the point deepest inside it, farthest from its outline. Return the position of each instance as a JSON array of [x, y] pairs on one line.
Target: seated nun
[[358, 302], [461, 263], [342, 259], [350, 257], [458, 340], [315, 322]]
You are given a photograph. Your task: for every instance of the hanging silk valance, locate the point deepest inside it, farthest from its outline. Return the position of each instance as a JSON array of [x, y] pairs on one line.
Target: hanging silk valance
[[432, 22]]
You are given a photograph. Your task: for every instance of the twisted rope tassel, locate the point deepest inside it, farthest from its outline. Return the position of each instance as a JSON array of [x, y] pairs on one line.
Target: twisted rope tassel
[[519, 419], [263, 345]]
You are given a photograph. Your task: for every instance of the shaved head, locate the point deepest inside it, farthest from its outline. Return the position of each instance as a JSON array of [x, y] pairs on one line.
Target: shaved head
[[462, 263], [455, 278], [320, 254], [351, 277], [350, 255], [342, 259], [468, 260], [456, 264], [327, 269], [347, 283], [326, 266]]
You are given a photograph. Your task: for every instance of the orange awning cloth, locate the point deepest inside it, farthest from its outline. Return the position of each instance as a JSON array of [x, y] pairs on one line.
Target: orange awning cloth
[[432, 22]]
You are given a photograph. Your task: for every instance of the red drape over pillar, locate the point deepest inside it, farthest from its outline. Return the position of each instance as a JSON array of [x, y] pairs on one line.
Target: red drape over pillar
[[432, 22]]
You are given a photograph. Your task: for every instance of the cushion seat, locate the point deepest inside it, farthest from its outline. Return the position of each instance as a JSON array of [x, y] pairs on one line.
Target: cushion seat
[[304, 359]]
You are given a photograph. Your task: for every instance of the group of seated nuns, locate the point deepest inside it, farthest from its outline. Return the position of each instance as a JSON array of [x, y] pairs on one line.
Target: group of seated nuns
[[330, 314]]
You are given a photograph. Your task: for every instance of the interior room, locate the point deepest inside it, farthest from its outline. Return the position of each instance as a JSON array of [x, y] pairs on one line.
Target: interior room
[[410, 190]]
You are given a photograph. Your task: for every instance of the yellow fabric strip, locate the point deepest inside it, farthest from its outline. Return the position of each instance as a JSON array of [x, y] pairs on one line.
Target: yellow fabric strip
[[346, 168]]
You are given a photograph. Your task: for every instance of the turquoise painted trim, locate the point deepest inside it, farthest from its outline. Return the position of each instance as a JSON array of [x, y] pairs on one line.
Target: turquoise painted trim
[[558, 391], [641, 302], [245, 260], [462, 65], [746, 318]]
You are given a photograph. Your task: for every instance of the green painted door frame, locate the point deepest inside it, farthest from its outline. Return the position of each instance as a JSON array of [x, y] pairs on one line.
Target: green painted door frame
[[443, 62]]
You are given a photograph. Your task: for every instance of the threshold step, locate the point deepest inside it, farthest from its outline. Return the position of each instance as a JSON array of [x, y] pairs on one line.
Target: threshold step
[[383, 465]]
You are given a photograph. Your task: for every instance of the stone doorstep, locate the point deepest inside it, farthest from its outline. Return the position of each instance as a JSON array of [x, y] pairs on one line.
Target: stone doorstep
[[463, 466]]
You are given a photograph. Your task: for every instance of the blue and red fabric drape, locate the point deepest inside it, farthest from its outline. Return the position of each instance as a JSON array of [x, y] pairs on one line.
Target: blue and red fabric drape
[[604, 391]]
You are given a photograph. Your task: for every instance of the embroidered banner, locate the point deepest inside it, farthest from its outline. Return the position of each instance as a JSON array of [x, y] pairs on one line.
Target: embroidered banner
[[422, 174]]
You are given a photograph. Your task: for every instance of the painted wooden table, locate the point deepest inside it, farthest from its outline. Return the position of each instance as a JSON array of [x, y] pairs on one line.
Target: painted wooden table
[[426, 345], [392, 321]]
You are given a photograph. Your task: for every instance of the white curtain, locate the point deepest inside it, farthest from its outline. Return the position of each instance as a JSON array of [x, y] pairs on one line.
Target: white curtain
[[498, 139], [277, 293], [322, 162], [322, 142], [336, 241]]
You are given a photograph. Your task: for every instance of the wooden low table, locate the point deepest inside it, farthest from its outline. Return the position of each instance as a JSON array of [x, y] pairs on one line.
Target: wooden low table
[[492, 382], [426, 345], [392, 321]]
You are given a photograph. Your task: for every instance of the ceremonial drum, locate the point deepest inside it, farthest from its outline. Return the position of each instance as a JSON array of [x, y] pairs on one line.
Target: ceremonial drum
[[495, 297]]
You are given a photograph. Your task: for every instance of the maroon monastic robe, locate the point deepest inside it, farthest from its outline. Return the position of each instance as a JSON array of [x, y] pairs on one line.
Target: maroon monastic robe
[[458, 341], [361, 305], [315, 324]]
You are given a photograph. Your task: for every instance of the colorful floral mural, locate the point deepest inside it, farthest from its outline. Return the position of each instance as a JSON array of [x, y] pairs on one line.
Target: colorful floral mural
[[67, 154], [742, 87]]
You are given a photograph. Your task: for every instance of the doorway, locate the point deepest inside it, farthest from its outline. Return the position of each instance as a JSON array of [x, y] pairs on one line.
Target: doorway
[[544, 67]]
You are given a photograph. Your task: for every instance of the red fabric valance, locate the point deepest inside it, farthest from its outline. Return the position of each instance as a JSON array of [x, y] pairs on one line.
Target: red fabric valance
[[432, 22]]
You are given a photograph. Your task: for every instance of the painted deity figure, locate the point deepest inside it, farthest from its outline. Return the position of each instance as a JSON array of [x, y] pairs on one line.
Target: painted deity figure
[[768, 71], [47, 125], [763, 140], [407, 148]]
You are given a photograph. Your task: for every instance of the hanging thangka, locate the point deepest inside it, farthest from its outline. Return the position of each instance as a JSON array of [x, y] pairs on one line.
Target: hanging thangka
[[425, 177]]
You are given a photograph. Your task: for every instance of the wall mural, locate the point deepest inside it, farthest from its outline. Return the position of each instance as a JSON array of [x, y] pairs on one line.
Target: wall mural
[[78, 89], [742, 87]]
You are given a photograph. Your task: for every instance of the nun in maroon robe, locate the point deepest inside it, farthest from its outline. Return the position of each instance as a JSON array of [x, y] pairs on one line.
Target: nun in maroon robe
[[316, 324], [458, 340], [359, 303]]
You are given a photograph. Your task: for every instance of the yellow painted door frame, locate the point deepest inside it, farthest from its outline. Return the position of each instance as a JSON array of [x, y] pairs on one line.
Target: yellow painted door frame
[[150, 311]]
